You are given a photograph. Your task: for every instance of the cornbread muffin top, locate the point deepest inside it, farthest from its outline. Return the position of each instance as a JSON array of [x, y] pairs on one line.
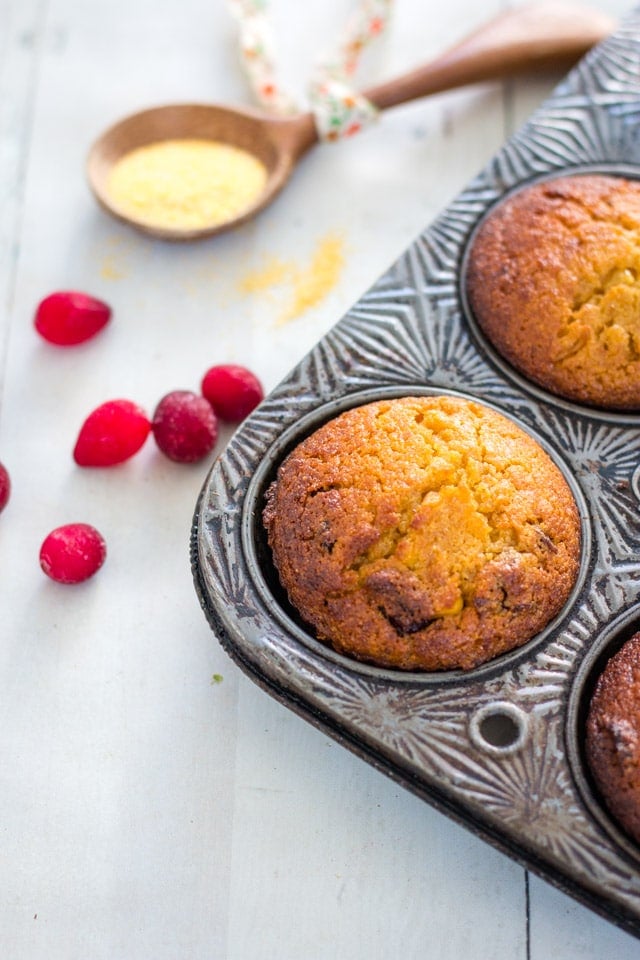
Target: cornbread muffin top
[[613, 736], [554, 282], [424, 533]]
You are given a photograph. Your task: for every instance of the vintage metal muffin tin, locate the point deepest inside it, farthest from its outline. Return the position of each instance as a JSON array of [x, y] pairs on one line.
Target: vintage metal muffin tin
[[498, 748]]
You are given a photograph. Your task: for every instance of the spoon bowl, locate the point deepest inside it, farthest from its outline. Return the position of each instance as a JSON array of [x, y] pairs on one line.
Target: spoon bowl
[[528, 38], [276, 143]]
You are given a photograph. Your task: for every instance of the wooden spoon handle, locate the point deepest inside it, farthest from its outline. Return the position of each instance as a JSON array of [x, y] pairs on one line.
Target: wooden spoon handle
[[549, 33], [545, 34]]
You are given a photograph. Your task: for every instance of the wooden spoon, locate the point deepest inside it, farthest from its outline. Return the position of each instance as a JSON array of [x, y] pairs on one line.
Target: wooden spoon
[[520, 41]]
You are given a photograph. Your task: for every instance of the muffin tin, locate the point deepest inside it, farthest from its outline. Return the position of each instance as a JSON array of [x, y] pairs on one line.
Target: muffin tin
[[498, 748]]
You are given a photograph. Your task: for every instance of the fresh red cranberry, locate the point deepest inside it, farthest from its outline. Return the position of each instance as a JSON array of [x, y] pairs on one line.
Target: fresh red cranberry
[[5, 487], [72, 553], [232, 391], [185, 426], [112, 433], [69, 317]]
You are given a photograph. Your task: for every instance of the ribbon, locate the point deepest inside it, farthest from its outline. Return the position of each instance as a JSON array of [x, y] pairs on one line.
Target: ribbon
[[339, 109]]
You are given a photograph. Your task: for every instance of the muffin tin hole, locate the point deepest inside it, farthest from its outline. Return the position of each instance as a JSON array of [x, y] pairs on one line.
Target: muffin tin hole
[[499, 728]]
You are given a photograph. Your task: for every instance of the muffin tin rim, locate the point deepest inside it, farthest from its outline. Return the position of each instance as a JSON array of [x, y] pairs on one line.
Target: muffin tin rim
[[251, 519]]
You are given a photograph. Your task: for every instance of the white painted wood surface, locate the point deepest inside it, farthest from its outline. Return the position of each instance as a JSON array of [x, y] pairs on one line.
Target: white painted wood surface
[[147, 813]]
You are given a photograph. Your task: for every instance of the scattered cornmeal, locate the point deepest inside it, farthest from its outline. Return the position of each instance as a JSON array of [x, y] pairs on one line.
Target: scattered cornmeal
[[312, 285], [272, 274], [304, 287], [186, 184]]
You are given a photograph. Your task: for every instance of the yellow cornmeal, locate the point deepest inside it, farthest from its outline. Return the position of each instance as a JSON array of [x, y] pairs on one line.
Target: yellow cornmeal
[[308, 285], [312, 285], [273, 273], [186, 184]]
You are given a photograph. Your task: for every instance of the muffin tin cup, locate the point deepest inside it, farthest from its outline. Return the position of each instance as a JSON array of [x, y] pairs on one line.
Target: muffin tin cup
[[600, 651], [498, 748], [265, 578], [619, 416]]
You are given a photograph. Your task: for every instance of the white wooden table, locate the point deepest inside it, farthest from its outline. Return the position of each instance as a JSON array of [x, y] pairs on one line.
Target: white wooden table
[[148, 811]]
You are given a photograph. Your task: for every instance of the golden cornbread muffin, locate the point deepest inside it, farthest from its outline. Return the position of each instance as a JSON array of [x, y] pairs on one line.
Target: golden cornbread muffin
[[423, 533], [554, 282], [613, 736]]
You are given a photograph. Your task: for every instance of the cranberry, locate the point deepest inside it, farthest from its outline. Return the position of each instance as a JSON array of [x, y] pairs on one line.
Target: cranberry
[[72, 553], [112, 433], [232, 391], [185, 426], [5, 487], [69, 317]]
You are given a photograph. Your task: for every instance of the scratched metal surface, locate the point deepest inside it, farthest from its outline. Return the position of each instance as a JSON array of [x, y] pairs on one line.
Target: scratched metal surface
[[525, 791]]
